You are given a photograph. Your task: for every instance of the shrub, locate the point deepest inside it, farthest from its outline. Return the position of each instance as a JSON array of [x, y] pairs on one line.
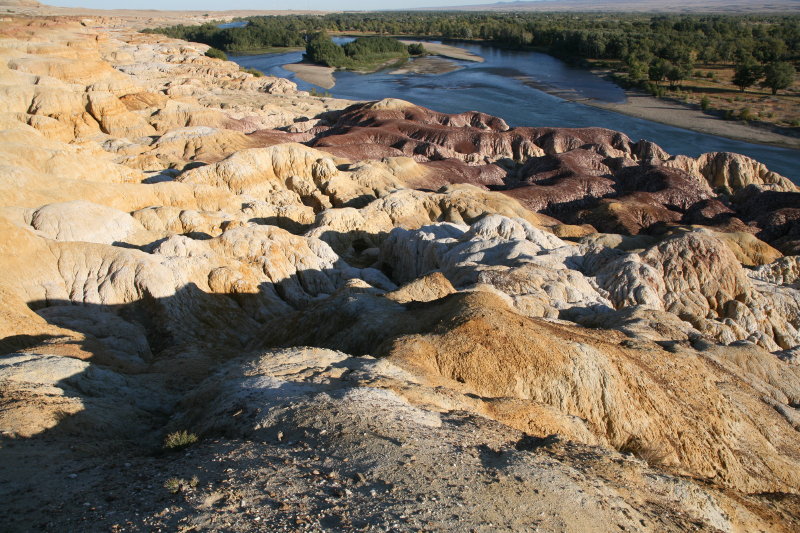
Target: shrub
[[416, 49], [179, 440], [255, 72], [705, 103], [173, 485], [746, 114], [216, 53]]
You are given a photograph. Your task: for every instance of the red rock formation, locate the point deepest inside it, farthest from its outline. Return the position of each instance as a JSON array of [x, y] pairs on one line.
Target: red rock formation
[[583, 175]]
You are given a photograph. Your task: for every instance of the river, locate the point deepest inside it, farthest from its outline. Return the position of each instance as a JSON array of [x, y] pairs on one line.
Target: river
[[507, 84]]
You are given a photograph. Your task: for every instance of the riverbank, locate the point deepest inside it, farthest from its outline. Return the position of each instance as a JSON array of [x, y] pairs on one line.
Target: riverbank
[[663, 111]]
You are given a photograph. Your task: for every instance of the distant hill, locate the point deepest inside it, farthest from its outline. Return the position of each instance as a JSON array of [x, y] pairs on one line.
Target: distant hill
[[656, 6], [20, 3]]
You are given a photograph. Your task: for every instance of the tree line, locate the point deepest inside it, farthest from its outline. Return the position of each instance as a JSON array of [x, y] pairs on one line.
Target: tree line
[[713, 38], [260, 32], [652, 47]]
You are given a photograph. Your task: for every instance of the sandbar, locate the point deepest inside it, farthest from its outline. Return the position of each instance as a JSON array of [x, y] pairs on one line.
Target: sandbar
[[445, 50], [317, 74], [427, 65]]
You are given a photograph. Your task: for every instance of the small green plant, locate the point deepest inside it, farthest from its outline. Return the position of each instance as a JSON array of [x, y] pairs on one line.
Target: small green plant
[[705, 103], [216, 53], [173, 485], [711, 75], [179, 440], [255, 72], [176, 484]]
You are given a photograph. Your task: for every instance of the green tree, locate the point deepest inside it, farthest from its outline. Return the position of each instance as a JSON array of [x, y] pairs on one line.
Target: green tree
[[322, 50], [637, 71], [658, 70], [747, 74], [779, 75], [679, 72]]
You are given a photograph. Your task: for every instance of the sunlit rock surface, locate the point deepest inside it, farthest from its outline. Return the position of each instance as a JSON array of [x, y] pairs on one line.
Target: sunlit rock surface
[[439, 315]]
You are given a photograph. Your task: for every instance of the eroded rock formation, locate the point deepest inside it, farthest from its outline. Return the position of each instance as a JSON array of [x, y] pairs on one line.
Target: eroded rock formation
[[506, 320]]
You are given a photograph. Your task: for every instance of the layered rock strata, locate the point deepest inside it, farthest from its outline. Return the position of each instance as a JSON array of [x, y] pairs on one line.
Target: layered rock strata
[[531, 326]]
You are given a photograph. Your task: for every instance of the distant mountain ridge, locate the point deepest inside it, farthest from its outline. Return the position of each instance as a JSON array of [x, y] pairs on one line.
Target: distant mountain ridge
[[657, 6]]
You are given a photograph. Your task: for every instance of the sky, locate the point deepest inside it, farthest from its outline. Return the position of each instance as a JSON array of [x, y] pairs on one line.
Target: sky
[[216, 5]]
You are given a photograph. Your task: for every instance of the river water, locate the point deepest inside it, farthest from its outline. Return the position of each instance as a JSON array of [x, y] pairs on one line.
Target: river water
[[508, 85], [234, 24]]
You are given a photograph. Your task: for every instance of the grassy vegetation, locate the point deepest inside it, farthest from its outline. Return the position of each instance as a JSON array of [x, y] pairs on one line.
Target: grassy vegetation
[[713, 88], [254, 71], [320, 94], [175, 484], [216, 53], [179, 440]]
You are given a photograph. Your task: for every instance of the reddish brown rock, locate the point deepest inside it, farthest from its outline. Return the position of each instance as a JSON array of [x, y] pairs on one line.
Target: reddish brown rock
[[629, 216], [577, 175]]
